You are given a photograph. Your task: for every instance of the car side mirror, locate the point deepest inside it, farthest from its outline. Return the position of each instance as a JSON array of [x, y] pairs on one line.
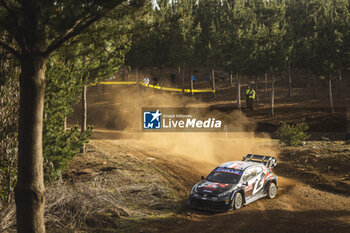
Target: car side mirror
[[245, 183], [202, 177]]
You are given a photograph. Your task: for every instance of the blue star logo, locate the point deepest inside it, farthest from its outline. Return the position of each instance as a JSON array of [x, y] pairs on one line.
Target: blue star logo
[[152, 120]]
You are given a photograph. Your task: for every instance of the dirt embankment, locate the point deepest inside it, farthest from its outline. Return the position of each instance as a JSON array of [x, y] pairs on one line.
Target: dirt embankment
[[324, 165]]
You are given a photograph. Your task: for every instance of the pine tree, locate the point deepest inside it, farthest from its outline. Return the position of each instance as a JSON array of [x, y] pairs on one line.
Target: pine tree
[[327, 48], [38, 28]]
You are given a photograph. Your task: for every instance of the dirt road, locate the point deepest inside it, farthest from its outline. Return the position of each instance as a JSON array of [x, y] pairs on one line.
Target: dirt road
[[298, 207]]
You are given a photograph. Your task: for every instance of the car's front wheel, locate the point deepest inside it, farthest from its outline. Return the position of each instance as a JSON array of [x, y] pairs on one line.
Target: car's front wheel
[[271, 191], [237, 201]]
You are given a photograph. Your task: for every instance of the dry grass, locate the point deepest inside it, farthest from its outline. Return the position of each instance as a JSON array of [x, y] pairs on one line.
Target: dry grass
[[74, 207], [7, 217], [83, 205]]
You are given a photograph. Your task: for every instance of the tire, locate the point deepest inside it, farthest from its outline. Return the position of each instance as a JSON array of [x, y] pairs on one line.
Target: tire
[[237, 201], [272, 190]]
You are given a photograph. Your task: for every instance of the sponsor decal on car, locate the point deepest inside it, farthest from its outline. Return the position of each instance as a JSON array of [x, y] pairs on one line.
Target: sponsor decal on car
[[213, 186], [228, 171]]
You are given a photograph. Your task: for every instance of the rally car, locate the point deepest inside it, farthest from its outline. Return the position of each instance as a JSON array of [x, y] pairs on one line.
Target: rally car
[[234, 184]]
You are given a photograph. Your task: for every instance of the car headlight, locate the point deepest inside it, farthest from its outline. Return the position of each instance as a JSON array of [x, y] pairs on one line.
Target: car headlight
[[224, 194], [194, 189]]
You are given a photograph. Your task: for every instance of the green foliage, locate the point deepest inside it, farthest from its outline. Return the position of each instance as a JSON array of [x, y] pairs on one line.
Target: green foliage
[[250, 37], [96, 54], [293, 135], [100, 51], [60, 146], [9, 101], [165, 36], [327, 49]]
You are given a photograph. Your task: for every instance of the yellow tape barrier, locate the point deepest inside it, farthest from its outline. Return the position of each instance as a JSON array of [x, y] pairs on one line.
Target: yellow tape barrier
[[117, 83], [159, 87]]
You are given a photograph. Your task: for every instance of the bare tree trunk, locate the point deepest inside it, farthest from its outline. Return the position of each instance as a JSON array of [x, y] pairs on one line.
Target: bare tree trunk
[[183, 82], [265, 82], [257, 91], [65, 123], [314, 86], [238, 93], [192, 87], [213, 80], [84, 112], [192, 83], [137, 80], [289, 81], [160, 75], [231, 81], [330, 94], [273, 96], [178, 73], [347, 134], [340, 85], [29, 192]]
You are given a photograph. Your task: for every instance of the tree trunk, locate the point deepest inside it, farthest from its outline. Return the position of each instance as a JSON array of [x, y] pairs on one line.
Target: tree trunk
[[273, 96], [257, 91], [238, 93], [29, 192], [231, 81], [192, 87], [137, 82], [340, 85], [65, 124], [183, 82], [178, 73], [314, 86], [84, 112], [213, 80], [330, 94], [265, 82], [289, 81], [160, 75], [192, 82]]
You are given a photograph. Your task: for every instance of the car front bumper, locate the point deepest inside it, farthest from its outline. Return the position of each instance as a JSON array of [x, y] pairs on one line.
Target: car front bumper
[[209, 204]]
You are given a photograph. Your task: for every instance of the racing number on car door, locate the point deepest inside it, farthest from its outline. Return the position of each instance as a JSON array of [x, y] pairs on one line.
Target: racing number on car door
[[258, 180], [257, 185], [248, 178]]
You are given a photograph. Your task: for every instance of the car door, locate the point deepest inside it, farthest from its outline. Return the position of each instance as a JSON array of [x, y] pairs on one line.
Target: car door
[[249, 181], [258, 180]]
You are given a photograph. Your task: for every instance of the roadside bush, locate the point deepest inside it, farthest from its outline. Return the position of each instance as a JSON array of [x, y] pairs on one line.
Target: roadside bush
[[293, 135]]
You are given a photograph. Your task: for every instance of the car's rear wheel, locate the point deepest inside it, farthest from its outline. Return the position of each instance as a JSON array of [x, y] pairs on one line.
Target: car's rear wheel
[[237, 201], [271, 191]]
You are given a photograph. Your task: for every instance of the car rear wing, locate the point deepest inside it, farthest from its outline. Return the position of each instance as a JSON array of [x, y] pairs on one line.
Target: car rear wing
[[268, 161]]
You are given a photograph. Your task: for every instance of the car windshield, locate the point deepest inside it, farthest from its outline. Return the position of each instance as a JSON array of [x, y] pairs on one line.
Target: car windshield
[[225, 175]]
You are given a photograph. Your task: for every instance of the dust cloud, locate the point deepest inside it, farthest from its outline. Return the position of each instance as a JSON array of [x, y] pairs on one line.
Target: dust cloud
[[122, 111]]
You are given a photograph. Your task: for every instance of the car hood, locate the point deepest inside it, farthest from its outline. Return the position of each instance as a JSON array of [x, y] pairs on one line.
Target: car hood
[[213, 188]]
